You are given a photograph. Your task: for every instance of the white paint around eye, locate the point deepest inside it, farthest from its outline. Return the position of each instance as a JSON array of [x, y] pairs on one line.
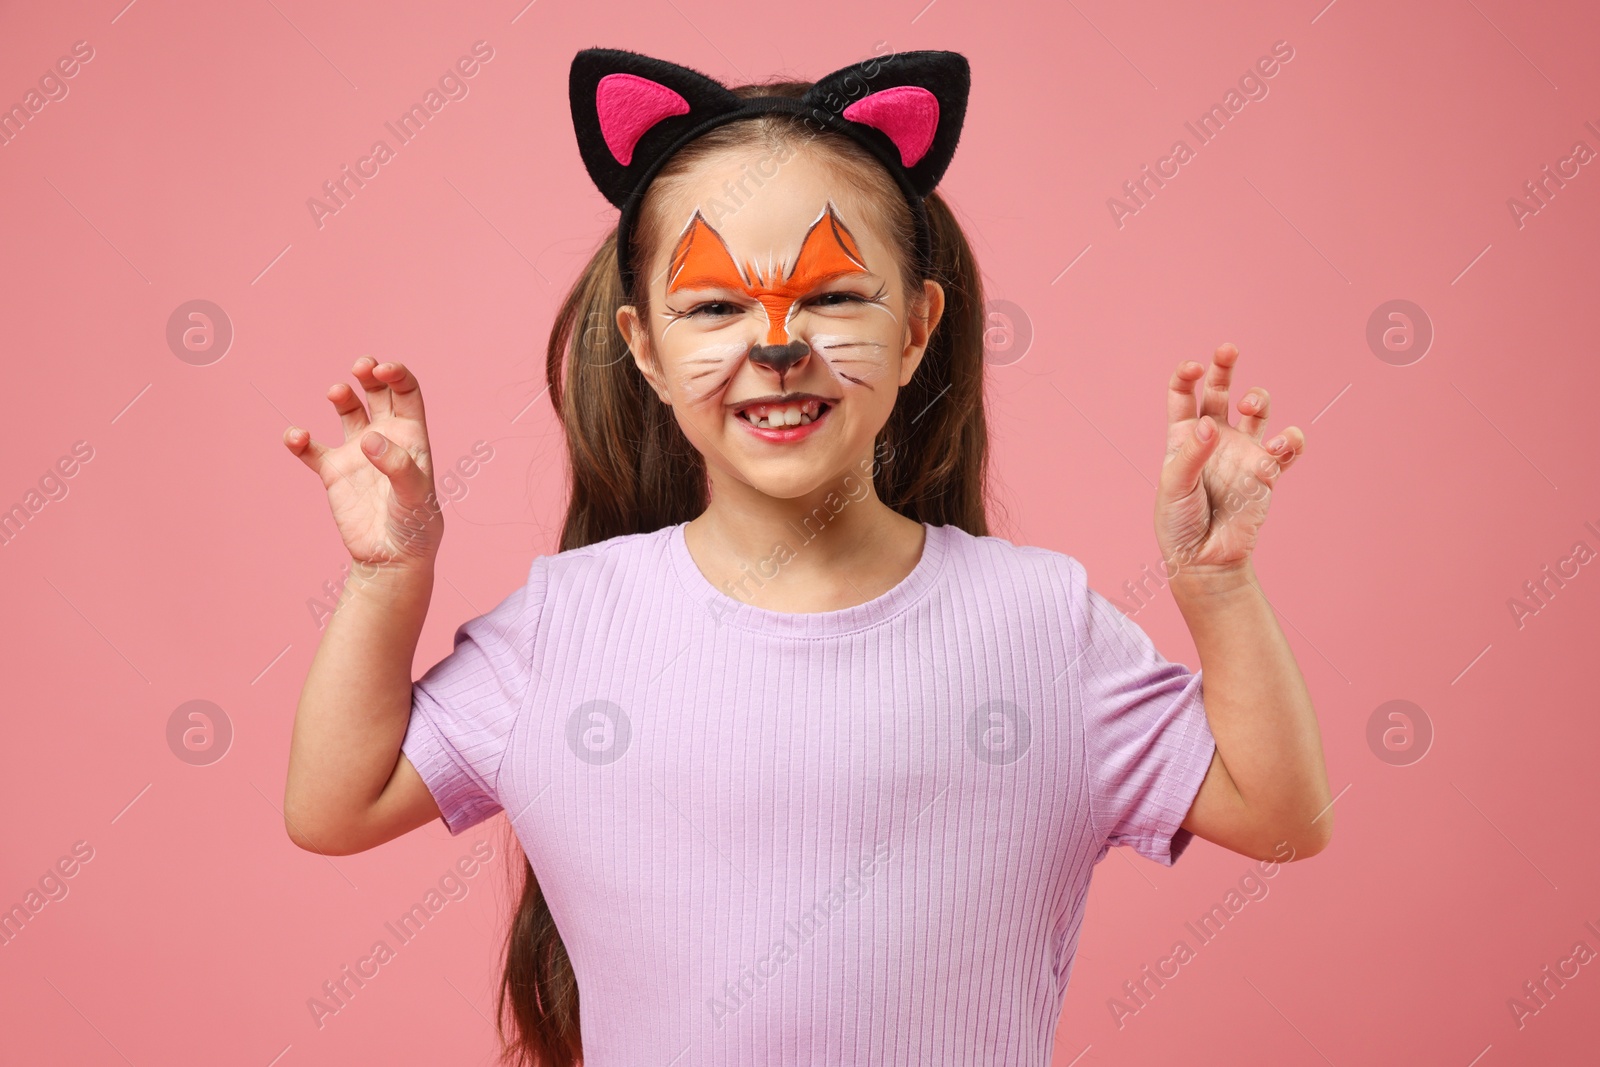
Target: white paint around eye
[[835, 340]]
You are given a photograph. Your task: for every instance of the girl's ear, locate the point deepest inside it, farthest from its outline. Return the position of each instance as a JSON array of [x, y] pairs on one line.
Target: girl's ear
[[634, 330], [922, 318]]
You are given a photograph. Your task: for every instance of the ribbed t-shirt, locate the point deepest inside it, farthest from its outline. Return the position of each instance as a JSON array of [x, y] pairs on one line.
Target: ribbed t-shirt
[[853, 836]]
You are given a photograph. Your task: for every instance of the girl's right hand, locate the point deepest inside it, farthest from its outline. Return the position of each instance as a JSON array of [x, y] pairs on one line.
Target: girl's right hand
[[380, 480]]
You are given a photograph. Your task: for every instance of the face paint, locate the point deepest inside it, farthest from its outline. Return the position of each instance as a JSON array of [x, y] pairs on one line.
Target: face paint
[[701, 260], [712, 362], [823, 278], [845, 347]]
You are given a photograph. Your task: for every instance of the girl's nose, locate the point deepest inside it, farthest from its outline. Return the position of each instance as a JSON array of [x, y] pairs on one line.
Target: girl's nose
[[780, 358]]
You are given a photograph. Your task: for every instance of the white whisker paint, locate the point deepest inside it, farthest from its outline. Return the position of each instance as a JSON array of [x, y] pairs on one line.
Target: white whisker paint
[[827, 341]]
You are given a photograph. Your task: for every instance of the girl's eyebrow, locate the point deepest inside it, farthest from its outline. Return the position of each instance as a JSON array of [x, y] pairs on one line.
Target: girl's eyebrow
[[708, 280], [837, 274], [702, 259]]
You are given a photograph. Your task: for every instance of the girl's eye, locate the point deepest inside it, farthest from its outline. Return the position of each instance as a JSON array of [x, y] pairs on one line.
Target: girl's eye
[[835, 299], [714, 308]]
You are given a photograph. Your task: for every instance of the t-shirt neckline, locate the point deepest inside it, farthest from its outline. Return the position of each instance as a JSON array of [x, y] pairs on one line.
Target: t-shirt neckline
[[725, 609]]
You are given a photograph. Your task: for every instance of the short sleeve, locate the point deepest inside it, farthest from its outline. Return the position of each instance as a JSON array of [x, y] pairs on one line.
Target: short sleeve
[[463, 708], [1146, 737]]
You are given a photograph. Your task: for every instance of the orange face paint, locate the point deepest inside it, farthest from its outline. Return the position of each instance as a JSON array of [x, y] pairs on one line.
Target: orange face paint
[[701, 260]]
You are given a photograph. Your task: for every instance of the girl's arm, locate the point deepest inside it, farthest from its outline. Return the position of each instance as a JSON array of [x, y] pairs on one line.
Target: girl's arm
[[1268, 783], [346, 790], [349, 787]]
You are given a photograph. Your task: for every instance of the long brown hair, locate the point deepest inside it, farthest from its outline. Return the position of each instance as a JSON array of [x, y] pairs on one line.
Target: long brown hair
[[632, 470]]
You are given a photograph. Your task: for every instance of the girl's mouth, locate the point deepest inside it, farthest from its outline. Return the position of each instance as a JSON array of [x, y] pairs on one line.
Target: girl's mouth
[[785, 422]]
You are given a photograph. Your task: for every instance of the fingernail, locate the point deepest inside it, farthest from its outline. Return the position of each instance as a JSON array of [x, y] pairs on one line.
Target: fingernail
[[1204, 429], [376, 450], [1276, 443]]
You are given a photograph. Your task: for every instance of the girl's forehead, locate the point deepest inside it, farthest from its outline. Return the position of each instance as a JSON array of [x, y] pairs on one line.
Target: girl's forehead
[[762, 203]]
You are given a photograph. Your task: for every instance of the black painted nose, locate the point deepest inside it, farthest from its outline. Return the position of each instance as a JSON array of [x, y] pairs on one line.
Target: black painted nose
[[780, 357]]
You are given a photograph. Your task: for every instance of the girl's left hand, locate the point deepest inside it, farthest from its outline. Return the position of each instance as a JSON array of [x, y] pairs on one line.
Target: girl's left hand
[[1214, 490]]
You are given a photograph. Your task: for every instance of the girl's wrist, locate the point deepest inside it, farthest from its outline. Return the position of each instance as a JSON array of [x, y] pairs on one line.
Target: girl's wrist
[[1198, 585], [398, 580]]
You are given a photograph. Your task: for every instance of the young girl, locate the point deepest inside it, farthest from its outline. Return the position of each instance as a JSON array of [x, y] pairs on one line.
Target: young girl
[[807, 766]]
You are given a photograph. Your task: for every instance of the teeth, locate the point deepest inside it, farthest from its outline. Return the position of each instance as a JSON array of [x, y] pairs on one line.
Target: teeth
[[779, 418]]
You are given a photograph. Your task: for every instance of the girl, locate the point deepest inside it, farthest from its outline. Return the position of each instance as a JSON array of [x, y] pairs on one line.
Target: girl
[[806, 765]]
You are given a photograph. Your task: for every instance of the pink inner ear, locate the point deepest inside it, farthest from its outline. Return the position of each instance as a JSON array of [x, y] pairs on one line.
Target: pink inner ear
[[628, 105], [909, 114]]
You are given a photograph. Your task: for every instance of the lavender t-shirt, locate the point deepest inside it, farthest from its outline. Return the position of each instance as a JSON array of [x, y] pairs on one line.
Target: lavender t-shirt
[[855, 836]]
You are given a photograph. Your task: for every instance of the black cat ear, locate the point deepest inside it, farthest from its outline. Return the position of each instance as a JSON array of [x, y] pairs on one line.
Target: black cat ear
[[908, 106], [628, 110]]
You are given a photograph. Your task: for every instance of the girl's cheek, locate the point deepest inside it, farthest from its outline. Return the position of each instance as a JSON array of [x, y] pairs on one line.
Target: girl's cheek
[[699, 368], [859, 353]]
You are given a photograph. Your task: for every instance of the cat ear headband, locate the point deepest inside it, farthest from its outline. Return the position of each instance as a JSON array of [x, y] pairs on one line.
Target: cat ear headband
[[631, 113]]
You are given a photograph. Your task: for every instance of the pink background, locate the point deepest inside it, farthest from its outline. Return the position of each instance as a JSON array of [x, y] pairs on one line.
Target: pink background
[[179, 564]]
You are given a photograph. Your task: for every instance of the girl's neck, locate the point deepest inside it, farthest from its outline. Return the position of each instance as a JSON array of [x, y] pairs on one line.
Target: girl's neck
[[803, 556]]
